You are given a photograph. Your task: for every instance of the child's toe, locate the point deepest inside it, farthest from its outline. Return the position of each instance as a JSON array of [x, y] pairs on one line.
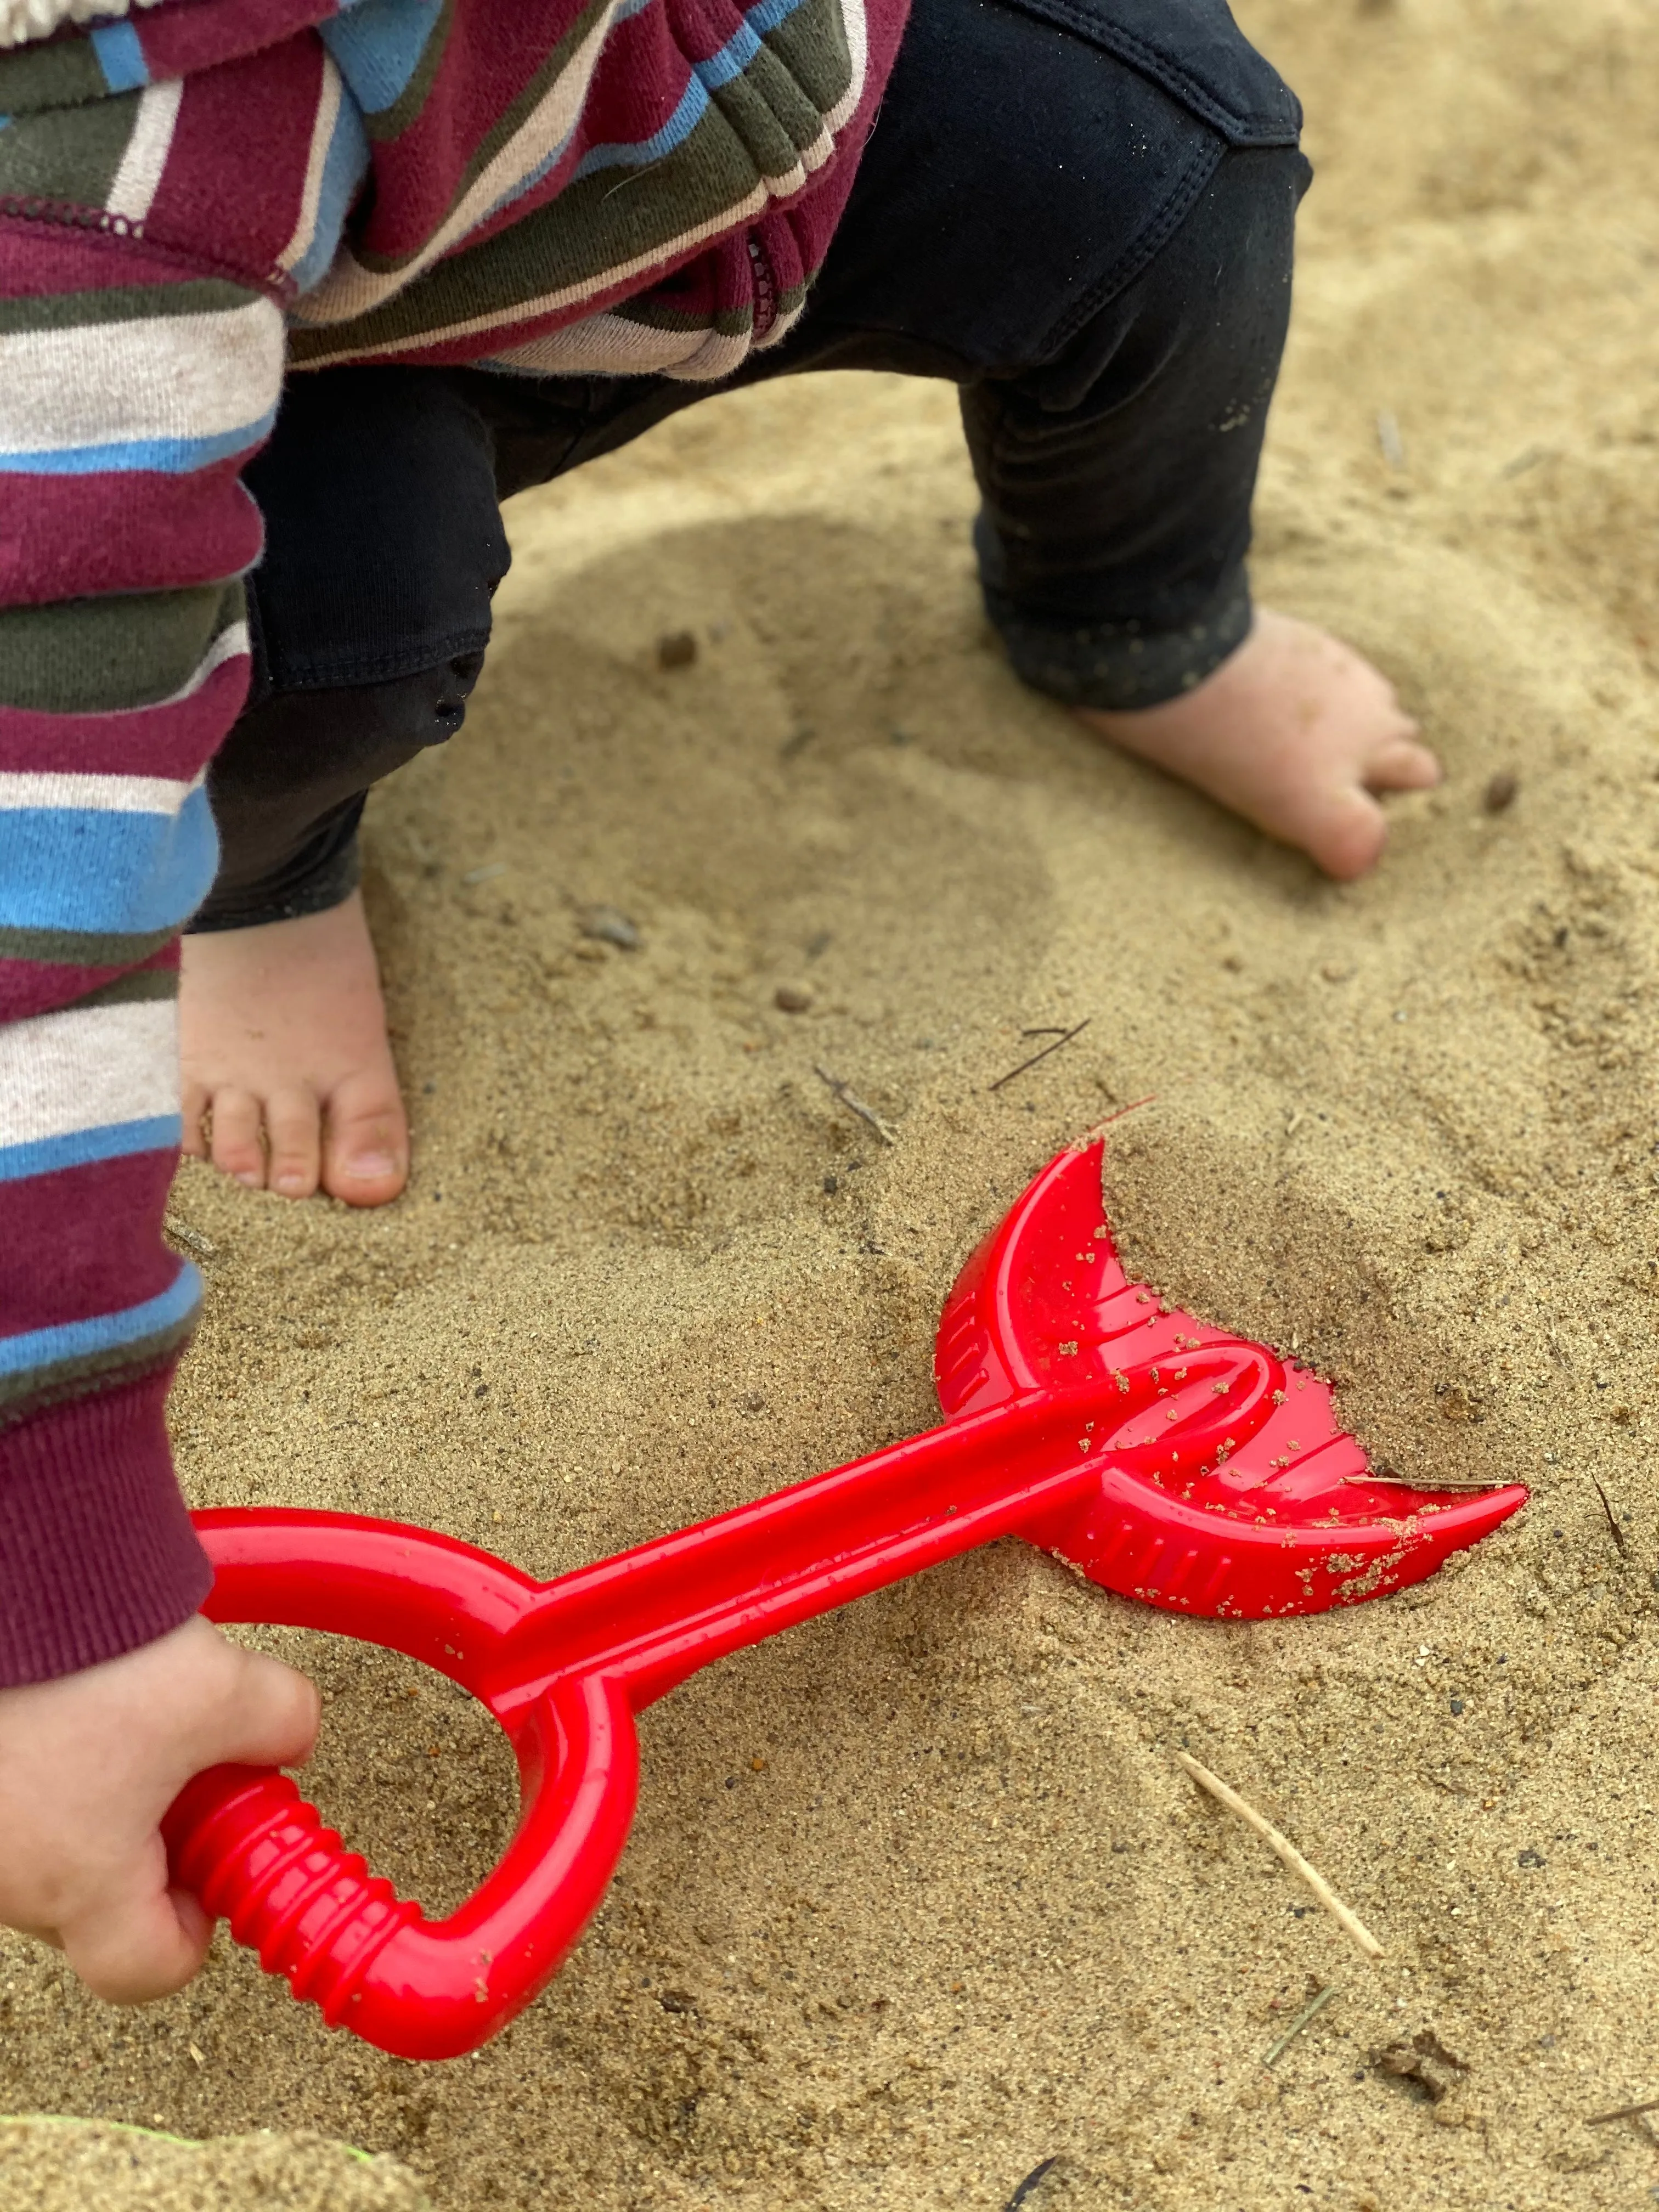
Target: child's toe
[[293, 1125], [1347, 836], [194, 1110], [366, 1144], [1402, 765], [235, 1148]]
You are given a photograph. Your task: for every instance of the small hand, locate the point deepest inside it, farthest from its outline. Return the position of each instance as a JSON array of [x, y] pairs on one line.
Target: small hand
[[89, 1763]]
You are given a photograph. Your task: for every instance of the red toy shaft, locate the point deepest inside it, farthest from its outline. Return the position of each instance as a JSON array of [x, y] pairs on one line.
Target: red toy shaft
[[563, 1666], [1164, 1458]]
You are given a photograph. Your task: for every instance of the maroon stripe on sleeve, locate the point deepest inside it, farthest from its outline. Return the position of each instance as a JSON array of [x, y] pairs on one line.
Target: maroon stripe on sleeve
[[180, 42], [263, 106], [43, 260], [74, 538], [97, 1554], [640, 81], [174, 740], [84, 1241], [28, 986]]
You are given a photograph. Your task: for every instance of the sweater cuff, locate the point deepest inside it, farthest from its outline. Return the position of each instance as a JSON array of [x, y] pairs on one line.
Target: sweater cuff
[[97, 1553]]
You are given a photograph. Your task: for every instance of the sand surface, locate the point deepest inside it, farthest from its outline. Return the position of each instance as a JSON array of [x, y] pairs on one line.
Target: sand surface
[[918, 1898]]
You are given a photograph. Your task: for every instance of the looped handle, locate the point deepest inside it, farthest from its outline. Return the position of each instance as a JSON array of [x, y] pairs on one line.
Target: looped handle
[[254, 1851]]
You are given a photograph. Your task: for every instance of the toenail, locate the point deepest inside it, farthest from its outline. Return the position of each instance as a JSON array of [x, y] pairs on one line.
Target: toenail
[[249, 1180], [290, 1183], [371, 1164]]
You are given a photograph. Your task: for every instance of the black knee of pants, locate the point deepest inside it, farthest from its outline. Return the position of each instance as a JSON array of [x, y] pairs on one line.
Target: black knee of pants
[[289, 786], [1136, 614], [370, 614], [1080, 211]]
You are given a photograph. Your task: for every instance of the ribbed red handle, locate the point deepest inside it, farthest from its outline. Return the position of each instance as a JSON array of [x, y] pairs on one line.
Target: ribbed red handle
[[256, 1853]]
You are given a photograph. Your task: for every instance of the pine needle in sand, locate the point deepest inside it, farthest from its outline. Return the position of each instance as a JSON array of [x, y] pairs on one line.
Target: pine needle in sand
[[850, 1099], [1348, 1921], [1309, 2013]]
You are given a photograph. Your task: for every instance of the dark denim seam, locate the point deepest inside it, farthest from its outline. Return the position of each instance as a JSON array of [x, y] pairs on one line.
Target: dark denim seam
[[340, 670], [1183, 198], [1113, 39]]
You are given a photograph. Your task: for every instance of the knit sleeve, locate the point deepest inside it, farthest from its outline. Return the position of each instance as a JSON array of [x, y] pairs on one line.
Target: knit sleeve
[[142, 335]]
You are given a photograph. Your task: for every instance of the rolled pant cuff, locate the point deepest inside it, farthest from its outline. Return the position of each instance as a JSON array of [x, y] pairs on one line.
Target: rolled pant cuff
[[318, 880], [1118, 666], [330, 885]]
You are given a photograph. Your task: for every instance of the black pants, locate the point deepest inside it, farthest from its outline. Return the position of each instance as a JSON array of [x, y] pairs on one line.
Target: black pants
[[1079, 212]]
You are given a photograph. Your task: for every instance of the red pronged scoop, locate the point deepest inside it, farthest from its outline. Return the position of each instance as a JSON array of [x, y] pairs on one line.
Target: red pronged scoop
[[1166, 1460]]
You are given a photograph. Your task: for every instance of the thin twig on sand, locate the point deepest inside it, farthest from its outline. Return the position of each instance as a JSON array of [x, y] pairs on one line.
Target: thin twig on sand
[[1618, 1532], [1064, 1038], [1623, 2113], [1310, 2011], [1029, 2183], [1116, 1115], [854, 1104], [1348, 1921]]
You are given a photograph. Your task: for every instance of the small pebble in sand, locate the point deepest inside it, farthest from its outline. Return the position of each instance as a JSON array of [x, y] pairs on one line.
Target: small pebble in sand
[[677, 649], [610, 926], [792, 998], [1500, 792]]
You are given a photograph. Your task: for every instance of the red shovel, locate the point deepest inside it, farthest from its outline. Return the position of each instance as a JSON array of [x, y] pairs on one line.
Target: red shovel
[[1163, 1458]]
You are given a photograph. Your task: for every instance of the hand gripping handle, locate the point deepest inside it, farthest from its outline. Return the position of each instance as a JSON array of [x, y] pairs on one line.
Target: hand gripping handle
[[253, 1851]]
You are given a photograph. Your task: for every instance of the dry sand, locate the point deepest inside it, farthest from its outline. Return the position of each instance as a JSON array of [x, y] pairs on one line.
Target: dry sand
[[918, 1897]]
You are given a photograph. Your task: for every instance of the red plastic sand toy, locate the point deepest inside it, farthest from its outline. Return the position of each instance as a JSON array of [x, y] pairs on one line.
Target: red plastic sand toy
[[1165, 1459]]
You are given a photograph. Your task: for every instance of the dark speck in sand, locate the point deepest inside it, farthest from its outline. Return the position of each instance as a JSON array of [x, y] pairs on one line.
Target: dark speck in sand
[[1500, 792]]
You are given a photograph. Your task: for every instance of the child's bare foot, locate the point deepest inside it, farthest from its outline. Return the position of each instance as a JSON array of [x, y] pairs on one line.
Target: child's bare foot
[[286, 1058], [1297, 733]]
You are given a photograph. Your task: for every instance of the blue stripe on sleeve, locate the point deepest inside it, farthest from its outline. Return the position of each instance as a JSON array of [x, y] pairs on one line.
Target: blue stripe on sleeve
[[75, 868], [120, 57], [76, 1340], [732, 59], [169, 457], [770, 14], [344, 167], [634, 152], [377, 48], [81, 1148], [721, 68]]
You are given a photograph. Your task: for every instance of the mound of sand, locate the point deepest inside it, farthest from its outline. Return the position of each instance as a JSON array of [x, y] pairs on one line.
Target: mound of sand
[[49, 2165], [918, 1899]]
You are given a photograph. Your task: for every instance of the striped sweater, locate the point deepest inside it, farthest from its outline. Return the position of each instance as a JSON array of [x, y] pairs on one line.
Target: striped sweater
[[196, 197]]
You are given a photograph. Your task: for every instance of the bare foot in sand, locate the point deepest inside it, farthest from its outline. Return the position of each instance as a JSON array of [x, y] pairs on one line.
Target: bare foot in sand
[[286, 1058], [1294, 732]]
